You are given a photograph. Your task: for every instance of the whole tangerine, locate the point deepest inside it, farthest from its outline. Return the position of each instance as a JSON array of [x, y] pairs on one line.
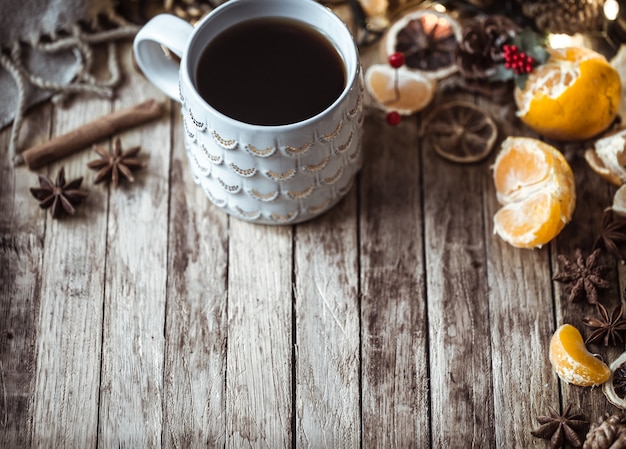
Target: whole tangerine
[[574, 96]]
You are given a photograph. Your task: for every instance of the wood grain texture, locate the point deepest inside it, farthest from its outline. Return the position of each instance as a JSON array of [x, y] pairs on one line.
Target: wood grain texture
[[152, 319], [327, 333], [458, 303], [69, 336], [593, 196], [22, 232], [196, 320], [521, 318], [393, 304], [259, 405], [131, 412]]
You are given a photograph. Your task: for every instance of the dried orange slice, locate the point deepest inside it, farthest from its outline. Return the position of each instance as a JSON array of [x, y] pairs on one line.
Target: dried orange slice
[[572, 361], [535, 185], [428, 39], [400, 90], [575, 95], [460, 132], [614, 389]]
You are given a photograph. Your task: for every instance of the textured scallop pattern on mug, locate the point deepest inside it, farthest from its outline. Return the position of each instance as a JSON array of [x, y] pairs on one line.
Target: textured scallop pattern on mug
[[288, 179]]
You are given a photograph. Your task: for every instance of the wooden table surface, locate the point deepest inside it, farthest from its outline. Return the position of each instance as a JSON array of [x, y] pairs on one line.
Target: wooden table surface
[[395, 320]]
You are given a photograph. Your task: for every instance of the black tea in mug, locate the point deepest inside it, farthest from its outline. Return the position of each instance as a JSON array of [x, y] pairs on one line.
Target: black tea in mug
[[270, 71]]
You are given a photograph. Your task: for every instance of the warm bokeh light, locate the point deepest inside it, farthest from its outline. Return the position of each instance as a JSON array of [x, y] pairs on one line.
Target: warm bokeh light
[[611, 9], [565, 40]]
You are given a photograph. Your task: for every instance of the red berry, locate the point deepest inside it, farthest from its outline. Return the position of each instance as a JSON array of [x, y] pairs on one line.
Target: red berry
[[393, 118], [396, 60], [517, 60]]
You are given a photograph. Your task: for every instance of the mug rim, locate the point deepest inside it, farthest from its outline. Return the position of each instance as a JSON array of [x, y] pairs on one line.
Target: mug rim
[[352, 71]]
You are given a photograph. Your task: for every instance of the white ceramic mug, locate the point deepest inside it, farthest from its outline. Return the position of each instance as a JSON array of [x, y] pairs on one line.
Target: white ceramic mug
[[264, 174]]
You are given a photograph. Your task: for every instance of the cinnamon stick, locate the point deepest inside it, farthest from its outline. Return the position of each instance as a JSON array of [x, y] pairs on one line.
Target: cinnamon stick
[[90, 133]]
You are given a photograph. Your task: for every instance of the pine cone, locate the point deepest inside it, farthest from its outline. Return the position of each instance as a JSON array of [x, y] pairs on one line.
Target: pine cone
[[480, 49], [564, 16], [608, 432]]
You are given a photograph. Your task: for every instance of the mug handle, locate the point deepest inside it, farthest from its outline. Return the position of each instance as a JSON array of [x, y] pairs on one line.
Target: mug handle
[[168, 31]]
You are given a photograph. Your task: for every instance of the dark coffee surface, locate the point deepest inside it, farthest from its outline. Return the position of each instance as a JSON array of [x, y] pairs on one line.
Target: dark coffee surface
[[270, 71]]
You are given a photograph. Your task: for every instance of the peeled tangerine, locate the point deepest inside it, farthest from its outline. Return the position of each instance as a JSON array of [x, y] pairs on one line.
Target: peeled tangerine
[[573, 96], [535, 185], [573, 362]]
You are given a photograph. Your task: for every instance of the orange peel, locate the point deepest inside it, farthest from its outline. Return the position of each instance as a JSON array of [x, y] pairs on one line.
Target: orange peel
[[608, 157], [619, 201], [574, 96]]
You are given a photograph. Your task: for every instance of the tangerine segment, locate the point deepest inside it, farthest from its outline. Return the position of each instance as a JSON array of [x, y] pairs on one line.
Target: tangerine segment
[[536, 186], [399, 89], [520, 166], [572, 361], [573, 96], [530, 223]]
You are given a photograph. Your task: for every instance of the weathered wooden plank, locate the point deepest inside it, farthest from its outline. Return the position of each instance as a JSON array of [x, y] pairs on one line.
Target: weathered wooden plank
[[22, 230], [196, 323], [216, 294], [521, 317], [70, 318], [457, 296], [393, 304], [259, 409], [327, 334], [593, 196], [135, 279]]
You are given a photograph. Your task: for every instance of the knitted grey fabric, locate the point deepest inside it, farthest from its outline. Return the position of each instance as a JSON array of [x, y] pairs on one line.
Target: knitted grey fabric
[[28, 20], [47, 52]]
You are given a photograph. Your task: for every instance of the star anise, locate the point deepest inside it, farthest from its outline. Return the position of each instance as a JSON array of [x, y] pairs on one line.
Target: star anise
[[113, 163], [61, 196], [560, 429], [583, 276], [613, 233], [608, 329]]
